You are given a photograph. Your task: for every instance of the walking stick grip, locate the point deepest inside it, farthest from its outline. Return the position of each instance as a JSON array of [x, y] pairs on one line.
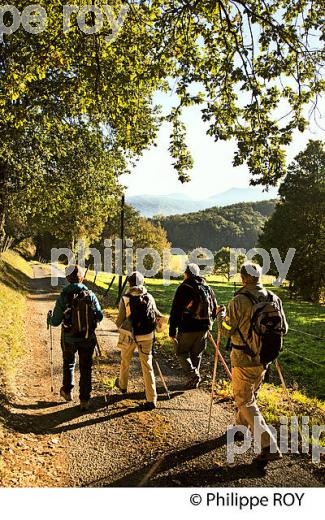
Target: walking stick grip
[[49, 314]]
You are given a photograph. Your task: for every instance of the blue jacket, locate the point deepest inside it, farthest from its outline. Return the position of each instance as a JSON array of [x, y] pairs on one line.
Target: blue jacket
[[61, 304]]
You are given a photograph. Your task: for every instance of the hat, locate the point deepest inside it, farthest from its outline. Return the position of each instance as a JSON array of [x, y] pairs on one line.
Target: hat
[[251, 271], [192, 270], [135, 279], [74, 274]]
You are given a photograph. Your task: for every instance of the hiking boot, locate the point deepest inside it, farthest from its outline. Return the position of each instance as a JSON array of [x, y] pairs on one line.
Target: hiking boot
[[147, 407], [117, 385], [84, 405], [193, 383], [267, 456], [67, 396]]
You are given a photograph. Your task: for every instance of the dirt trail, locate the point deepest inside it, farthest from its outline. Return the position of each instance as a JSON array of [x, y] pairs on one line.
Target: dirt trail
[[117, 445]]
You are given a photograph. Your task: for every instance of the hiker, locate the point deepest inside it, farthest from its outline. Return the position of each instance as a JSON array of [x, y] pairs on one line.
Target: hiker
[[78, 310], [136, 321], [193, 310], [255, 323]]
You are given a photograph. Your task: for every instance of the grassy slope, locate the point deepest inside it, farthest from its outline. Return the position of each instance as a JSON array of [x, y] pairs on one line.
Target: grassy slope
[[303, 316], [15, 274]]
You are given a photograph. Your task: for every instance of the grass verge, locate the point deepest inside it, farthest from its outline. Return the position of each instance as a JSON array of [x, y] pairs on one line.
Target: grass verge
[[275, 406], [15, 275]]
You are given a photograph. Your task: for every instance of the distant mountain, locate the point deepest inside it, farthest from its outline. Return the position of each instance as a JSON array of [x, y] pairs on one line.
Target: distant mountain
[[150, 205], [235, 195], [178, 203]]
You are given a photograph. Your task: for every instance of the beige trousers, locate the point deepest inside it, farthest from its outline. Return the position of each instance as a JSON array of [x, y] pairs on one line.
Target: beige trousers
[[246, 381], [127, 345]]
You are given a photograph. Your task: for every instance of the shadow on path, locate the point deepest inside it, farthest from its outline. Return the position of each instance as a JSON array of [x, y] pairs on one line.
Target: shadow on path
[[169, 461], [196, 477], [56, 421]]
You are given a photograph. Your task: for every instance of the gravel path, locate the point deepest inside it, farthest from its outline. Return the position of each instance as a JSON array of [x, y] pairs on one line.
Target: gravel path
[[114, 444]]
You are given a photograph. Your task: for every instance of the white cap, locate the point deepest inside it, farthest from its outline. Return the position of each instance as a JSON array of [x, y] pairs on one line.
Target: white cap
[[192, 270]]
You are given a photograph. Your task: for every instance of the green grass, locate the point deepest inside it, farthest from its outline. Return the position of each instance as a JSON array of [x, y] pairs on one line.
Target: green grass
[[15, 275], [274, 405], [302, 316]]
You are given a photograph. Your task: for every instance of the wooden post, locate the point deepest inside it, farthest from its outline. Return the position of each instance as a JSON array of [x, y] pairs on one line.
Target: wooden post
[[120, 280]]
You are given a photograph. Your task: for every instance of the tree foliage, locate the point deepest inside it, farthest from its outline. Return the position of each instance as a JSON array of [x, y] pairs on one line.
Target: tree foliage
[[250, 65], [299, 221], [66, 193], [57, 90], [237, 225], [222, 262], [142, 233]]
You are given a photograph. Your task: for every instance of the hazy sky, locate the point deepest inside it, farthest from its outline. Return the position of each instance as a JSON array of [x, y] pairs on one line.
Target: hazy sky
[[213, 171]]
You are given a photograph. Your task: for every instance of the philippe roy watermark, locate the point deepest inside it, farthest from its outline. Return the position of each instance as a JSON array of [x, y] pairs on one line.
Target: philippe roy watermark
[[91, 19], [119, 259], [294, 436]]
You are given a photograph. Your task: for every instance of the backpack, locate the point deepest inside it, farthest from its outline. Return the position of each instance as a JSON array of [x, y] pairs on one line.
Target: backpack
[[80, 316], [265, 335], [142, 314], [201, 308]]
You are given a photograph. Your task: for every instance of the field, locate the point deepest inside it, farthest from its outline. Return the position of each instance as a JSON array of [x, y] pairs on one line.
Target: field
[[303, 358]]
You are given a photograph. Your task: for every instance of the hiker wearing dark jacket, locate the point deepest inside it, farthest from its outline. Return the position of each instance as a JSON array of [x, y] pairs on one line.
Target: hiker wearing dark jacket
[[143, 340], [248, 371], [188, 330], [83, 343]]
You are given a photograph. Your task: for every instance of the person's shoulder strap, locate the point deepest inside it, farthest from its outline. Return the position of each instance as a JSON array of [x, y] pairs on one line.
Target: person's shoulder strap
[[184, 284], [75, 290], [126, 301], [248, 295], [271, 297], [151, 298]]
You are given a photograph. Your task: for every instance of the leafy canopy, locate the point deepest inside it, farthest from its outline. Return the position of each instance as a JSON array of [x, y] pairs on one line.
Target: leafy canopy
[[299, 222], [246, 63]]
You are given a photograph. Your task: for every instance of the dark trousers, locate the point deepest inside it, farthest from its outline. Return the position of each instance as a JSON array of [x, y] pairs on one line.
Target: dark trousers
[[85, 351], [190, 348]]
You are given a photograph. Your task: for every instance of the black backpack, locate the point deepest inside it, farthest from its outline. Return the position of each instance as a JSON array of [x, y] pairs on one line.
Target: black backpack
[[80, 316], [143, 314], [265, 335], [201, 307]]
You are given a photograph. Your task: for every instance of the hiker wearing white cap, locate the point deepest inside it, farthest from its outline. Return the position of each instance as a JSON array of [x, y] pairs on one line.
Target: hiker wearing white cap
[[255, 323], [136, 321], [193, 310]]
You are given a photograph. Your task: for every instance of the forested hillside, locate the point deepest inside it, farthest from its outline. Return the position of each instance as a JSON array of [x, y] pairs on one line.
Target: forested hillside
[[237, 225]]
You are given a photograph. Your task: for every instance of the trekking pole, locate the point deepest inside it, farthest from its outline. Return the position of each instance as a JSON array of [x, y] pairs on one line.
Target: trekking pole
[[98, 349], [119, 297], [216, 356], [162, 378], [160, 374], [224, 364], [49, 326], [98, 355], [109, 287], [277, 365]]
